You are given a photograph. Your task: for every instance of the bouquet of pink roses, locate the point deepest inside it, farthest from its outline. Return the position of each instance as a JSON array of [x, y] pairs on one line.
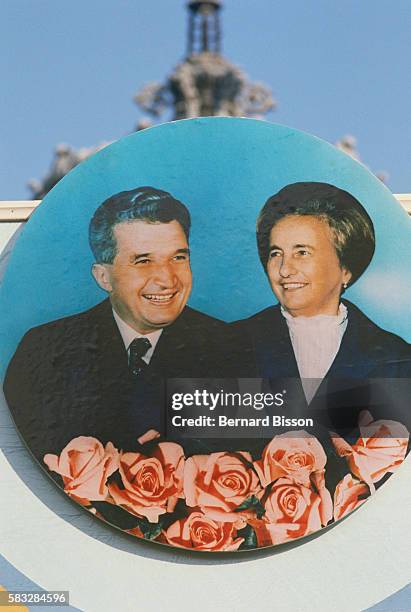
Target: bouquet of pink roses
[[228, 501]]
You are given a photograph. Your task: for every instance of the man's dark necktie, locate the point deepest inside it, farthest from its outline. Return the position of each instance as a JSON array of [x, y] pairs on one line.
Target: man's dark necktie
[[138, 348]]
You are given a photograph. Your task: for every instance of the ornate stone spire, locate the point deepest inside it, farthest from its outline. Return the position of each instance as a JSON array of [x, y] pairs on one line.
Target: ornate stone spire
[[205, 83], [65, 158], [204, 27]]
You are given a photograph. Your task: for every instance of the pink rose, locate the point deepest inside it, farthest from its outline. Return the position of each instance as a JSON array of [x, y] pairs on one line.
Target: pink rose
[[292, 511], [220, 482], [200, 532], [85, 465], [150, 435], [326, 503], [152, 485], [296, 454], [380, 449], [347, 496]]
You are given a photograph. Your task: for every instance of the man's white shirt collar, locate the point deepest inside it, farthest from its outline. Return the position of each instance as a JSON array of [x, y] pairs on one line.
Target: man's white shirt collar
[[129, 334]]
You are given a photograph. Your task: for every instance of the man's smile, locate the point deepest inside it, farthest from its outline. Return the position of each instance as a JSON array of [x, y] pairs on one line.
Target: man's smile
[[149, 281], [160, 298]]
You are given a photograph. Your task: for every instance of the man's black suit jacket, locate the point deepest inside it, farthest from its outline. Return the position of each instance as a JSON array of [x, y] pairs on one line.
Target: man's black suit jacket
[[70, 377], [362, 375]]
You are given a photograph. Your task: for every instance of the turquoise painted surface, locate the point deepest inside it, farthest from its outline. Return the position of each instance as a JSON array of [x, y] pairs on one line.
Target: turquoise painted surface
[[223, 169]]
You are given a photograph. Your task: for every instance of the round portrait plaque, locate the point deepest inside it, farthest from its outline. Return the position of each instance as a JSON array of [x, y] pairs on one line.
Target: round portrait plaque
[[205, 334]]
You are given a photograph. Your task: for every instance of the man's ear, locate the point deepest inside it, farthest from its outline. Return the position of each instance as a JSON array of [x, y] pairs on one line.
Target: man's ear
[[102, 276]]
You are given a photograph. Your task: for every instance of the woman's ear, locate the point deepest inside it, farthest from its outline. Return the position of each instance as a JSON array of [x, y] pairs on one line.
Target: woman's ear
[[346, 277], [102, 276]]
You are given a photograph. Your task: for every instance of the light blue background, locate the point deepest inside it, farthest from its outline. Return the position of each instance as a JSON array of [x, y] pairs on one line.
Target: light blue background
[[71, 70], [223, 169]]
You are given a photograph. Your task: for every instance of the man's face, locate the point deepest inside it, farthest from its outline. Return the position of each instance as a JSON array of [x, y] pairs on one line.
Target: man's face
[[303, 267], [149, 281]]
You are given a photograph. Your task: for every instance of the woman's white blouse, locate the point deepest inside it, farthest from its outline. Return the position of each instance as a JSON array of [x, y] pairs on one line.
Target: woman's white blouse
[[316, 342]]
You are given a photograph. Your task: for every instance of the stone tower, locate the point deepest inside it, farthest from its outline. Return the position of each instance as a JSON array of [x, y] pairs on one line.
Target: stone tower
[[205, 83]]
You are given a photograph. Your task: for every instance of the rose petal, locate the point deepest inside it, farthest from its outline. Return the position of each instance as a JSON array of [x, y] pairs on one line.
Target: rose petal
[[151, 434], [52, 462], [346, 496]]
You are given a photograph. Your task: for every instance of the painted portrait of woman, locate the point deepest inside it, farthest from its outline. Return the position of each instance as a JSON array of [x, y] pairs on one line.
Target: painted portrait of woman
[[314, 241]]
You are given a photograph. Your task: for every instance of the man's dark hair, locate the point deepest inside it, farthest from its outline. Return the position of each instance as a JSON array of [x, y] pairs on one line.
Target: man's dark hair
[[350, 224], [141, 204]]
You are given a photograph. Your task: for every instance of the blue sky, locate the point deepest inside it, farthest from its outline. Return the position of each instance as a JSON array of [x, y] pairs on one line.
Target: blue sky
[[70, 70]]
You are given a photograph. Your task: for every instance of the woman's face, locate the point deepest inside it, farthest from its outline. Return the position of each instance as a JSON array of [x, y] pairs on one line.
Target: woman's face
[[303, 267]]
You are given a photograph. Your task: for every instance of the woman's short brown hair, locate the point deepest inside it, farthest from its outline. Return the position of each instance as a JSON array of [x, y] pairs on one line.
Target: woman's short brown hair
[[351, 226]]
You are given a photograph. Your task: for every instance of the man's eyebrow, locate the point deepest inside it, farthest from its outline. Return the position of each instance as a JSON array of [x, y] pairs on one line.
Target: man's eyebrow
[[135, 256], [183, 251], [303, 246], [138, 255]]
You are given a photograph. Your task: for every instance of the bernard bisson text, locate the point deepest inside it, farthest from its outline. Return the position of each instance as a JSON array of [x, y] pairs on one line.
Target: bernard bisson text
[[224, 421]]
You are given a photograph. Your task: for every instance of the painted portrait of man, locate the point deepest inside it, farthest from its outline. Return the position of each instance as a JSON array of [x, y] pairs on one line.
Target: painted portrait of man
[[102, 372]]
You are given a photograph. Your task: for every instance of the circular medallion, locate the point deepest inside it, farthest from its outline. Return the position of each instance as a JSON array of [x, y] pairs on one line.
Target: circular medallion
[[205, 338]]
